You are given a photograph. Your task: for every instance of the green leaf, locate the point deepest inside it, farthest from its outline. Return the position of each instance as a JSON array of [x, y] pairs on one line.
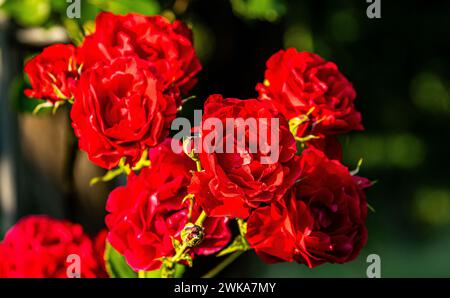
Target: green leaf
[[151, 274], [179, 270], [146, 7], [116, 265]]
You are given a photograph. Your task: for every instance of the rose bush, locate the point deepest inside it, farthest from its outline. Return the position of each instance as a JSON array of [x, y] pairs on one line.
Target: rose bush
[[275, 168]]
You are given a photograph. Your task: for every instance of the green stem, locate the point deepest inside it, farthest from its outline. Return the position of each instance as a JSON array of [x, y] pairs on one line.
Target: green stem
[[141, 274], [222, 265], [180, 253], [201, 219], [199, 222], [184, 247], [199, 165]]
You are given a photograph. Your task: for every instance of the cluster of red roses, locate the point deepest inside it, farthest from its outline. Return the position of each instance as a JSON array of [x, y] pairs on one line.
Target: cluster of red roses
[[307, 207], [126, 82]]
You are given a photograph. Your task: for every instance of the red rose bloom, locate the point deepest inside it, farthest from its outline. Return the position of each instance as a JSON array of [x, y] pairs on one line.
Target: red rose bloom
[[120, 109], [322, 218], [302, 82], [148, 211], [231, 184], [166, 47], [38, 246], [3, 264], [53, 73]]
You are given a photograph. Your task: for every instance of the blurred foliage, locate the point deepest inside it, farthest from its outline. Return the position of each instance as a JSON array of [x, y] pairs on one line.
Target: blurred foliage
[[122, 7], [28, 12], [430, 93], [404, 151], [432, 206], [343, 26], [269, 10], [298, 36], [204, 41]]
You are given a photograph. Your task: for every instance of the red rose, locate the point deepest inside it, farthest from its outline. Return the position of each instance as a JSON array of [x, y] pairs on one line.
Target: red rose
[[53, 73], [120, 109], [322, 218], [302, 82], [231, 184], [166, 47], [3, 264], [148, 211], [38, 246]]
